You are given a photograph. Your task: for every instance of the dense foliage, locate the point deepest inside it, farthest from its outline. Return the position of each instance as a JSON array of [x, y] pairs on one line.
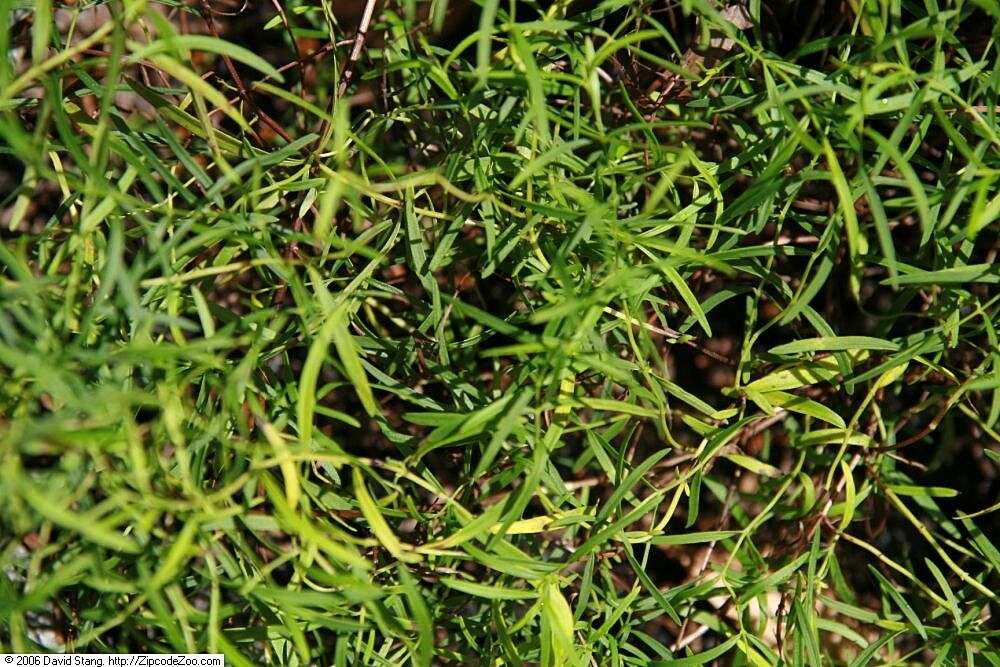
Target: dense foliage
[[518, 332]]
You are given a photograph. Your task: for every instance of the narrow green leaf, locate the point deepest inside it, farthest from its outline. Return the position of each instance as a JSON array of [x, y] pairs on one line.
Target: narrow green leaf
[[835, 343], [89, 529], [490, 592], [379, 527]]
